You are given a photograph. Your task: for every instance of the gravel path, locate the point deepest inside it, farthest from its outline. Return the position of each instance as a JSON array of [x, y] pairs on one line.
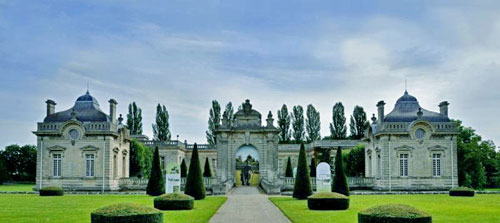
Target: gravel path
[[248, 204]]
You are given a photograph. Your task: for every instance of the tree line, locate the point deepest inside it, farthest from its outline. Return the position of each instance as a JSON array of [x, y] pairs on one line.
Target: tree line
[[297, 127]]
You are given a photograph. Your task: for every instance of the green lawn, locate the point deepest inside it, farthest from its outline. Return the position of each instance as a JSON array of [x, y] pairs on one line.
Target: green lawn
[[17, 187], [77, 208], [443, 208]]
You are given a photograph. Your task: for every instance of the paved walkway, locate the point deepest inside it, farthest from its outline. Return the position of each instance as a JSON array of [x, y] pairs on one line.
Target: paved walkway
[[248, 204]]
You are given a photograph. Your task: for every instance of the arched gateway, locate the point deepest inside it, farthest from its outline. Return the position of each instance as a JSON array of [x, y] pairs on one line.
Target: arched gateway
[[246, 130]]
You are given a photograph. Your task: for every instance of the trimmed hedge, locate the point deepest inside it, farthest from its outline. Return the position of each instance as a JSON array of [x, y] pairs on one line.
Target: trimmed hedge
[[393, 213], [126, 213], [51, 191], [462, 192], [174, 201], [328, 201]]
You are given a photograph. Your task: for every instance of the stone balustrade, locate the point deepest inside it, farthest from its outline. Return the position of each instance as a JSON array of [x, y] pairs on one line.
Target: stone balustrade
[[354, 182]]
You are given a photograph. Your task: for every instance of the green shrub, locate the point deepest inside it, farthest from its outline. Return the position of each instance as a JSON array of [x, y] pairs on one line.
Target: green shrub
[[207, 172], [51, 191], [156, 183], [328, 201], [126, 213], [195, 186], [312, 168], [340, 184], [462, 191], [183, 168], [174, 201], [302, 188], [288, 170], [393, 213]]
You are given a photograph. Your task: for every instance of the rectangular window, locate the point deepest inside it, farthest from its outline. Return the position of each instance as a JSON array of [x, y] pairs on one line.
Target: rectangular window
[[89, 165], [436, 165], [57, 165], [403, 165]]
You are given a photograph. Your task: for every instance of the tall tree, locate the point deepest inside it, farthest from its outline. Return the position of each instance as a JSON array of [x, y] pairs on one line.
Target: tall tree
[[313, 124], [207, 172], [302, 188], [195, 187], [183, 168], [3, 171], [288, 170], [140, 159], [313, 167], [298, 124], [228, 113], [156, 183], [213, 122], [284, 124], [338, 127], [134, 119], [358, 123], [340, 184], [356, 161], [477, 163], [20, 162], [161, 129]]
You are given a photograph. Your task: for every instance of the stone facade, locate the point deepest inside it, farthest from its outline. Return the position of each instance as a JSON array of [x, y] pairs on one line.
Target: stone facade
[[82, 148], [412, 148]]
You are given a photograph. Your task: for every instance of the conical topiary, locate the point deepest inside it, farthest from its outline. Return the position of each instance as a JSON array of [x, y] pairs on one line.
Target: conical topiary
[[289, 171], [156, 183], [313, 168], [195, 187], [207, 172], [340, 184], [183, 168], [302, 188]]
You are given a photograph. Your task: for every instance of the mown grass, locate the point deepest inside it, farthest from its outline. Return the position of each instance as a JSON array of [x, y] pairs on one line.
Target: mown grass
[[77, 208], [254, 179], [17, 187], [483, 208]]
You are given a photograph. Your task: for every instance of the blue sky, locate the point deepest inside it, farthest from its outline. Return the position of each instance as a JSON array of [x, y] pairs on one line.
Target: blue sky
[[185, 53]]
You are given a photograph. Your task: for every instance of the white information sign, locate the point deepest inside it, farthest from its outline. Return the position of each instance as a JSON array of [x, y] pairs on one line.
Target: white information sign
[[173, 178], [323, 177]]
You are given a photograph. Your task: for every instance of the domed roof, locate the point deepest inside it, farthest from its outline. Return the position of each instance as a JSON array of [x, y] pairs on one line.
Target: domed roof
[[87, 98], [406, 109], [86, 109], [407, 98]]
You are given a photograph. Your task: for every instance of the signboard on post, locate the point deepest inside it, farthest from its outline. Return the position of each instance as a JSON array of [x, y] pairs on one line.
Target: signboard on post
[[173, 178], [323, 178]]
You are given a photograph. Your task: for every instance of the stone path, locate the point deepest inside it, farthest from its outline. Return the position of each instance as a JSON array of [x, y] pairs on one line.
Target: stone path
[[248, 204]]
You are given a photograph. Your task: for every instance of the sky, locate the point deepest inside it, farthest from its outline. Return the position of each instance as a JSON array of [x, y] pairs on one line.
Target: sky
[[184, 54]]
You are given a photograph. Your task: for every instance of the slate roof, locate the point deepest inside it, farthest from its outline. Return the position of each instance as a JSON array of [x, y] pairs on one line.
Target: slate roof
[[406, 109], [86, 109]]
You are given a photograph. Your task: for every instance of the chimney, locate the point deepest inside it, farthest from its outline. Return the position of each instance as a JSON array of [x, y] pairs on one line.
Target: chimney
[[443, 108], [51, 107], [112, 110], [380, 106]]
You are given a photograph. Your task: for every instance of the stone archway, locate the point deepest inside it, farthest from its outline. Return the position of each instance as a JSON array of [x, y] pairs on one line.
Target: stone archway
[[247, 162], [246, 129]]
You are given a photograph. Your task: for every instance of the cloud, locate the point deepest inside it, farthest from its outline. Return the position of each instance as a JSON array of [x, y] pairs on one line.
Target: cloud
[[305, 55]]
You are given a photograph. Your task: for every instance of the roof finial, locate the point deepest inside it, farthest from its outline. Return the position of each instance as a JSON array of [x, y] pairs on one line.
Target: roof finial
[[87, 87], [406, 85]]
